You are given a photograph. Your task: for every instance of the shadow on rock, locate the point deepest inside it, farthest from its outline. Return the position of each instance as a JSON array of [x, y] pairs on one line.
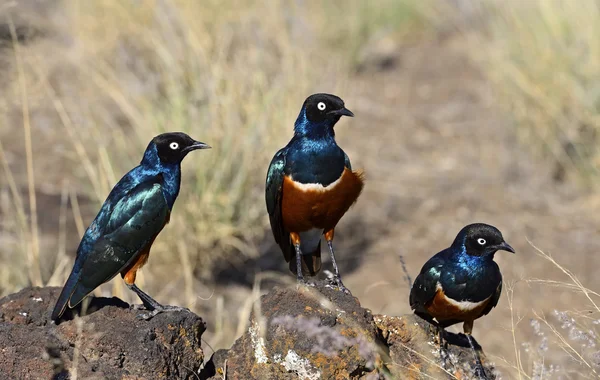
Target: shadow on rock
[[90, 305]]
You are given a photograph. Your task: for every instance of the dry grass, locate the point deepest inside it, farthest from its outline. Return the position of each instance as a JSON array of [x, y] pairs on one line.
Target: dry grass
[[543, 59], [566, 343]]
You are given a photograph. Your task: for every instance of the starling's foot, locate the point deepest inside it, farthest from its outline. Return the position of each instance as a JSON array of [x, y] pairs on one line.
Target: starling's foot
[[444, 357], [138, 307], [480, 373], [336, 281], [301, 283], [161, 309], [304, 283], [341, 286]]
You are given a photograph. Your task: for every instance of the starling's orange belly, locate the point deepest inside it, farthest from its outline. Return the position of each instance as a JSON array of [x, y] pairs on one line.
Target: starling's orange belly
[[308, 206], [443, 308]]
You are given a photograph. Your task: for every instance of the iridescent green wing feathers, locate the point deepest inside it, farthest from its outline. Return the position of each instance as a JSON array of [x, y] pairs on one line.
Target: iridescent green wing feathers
[[425, 285], [134, 222]]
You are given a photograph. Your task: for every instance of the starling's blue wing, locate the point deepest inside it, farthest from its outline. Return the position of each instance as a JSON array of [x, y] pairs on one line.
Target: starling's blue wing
[[494, 301], [115, 239], [273, 197], [425, 285]]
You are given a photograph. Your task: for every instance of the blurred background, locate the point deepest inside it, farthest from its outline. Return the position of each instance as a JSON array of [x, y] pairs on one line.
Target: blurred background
[[466, 111]]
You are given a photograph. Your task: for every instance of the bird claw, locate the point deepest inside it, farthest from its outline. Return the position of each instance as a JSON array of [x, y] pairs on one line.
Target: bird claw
[[444, 357], [162, 309], [336, 282], [480, 373], [344, 289], [138, 307], [302, 283]]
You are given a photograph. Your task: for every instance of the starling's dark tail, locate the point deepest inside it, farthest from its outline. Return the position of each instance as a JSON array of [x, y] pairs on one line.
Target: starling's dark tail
[[66, 294], [311, 263]]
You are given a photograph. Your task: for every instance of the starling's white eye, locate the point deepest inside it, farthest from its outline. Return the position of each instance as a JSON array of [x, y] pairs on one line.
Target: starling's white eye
[[321, 106], [481, 241], [174, 145]]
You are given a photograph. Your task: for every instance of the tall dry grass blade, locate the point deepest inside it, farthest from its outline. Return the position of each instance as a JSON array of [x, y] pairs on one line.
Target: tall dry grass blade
[[514, 321], [570, 274], [35, 272]]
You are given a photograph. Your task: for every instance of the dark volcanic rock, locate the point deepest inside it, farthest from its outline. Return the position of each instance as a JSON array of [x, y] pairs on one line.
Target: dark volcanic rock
[[307, 333], [110, 342], [321, 333]]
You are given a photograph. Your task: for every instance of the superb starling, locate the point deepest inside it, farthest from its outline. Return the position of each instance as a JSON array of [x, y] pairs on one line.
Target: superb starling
[[310, 186], [461, 283], [136, 210]]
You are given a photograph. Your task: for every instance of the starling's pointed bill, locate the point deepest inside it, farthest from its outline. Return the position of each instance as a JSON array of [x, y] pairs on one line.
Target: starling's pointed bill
[[342, 112], [197, 145], [504, 246]]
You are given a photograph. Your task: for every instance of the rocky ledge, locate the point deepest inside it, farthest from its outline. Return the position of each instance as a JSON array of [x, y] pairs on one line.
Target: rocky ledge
[[110, 342], [294, 333], [321, 333]]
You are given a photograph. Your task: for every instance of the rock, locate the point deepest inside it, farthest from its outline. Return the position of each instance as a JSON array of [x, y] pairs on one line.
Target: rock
[[321, 333], [110, 342], [309, 333], [414, 351]]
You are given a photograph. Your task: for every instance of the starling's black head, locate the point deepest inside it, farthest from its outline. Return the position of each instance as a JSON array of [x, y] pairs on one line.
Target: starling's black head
[[481, 240], [325, 107], [173, 147]]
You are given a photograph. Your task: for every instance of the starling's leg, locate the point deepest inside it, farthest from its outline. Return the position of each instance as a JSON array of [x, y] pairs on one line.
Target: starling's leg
[[296, 241], [443, 352], [151, 304], [479, 370], [299, 274], [338, 278]]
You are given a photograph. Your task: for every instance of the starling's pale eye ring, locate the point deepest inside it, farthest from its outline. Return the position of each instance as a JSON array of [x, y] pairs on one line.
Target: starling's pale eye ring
[[174, 145], [321, 106], [481, 241]]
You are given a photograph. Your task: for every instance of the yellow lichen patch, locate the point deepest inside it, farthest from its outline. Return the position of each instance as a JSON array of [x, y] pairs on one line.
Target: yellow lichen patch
[[348, 332]]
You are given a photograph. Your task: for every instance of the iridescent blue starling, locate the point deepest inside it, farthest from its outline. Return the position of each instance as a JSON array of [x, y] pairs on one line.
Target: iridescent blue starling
[[136, 210], [463, 282], [310, 185]]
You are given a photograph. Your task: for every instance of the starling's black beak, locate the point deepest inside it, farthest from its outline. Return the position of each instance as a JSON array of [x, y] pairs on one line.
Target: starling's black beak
[[342, 112], [196, 145], [504, 246]]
